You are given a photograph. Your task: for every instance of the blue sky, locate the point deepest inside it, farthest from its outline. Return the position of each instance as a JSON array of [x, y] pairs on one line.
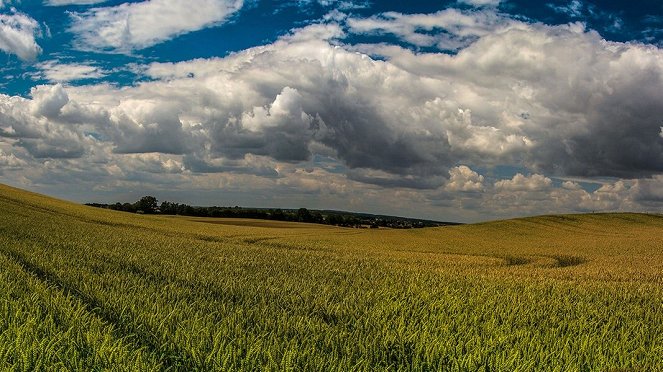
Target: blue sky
[[457, 110]]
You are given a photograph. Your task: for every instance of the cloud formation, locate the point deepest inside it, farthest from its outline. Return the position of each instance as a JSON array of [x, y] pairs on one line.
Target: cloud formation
[[535, 182], [448, 29], [57, 72], [132, 26], [553, 101], [565, 102], [462, 178], [17, 36]]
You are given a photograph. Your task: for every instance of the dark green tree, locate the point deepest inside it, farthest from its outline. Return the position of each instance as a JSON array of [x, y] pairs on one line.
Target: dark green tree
[[168, 207], [147, 204], [303, 215]]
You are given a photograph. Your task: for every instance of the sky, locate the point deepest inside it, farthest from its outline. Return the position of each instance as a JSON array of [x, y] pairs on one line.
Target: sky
[[462, 110]]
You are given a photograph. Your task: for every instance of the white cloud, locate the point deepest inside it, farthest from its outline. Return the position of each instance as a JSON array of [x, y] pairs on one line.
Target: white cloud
[[57, 72], [648, 191], [570, 185], [17, 36], [72, 2], [448, 29], [132, 26], [463, 134], [316, 32], [462, 178], [33, 125], [520, 182], [616, 196], [9, 160], [48, 100]]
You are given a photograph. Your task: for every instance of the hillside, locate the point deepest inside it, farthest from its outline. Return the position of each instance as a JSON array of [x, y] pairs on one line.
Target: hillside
[[86, 288]]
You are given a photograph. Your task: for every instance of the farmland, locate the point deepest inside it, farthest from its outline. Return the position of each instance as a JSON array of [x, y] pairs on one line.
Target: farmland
[[92, 289]]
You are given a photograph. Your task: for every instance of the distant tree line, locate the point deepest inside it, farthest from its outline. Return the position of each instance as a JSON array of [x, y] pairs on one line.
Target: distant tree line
[[150, 205]]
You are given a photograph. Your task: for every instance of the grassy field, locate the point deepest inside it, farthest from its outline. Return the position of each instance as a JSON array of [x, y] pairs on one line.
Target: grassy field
[[91, 289]]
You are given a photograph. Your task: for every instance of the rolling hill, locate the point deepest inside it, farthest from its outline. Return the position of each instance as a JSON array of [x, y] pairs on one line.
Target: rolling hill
[[92, 289]]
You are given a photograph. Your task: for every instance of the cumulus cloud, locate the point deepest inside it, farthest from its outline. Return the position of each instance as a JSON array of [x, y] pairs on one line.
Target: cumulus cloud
[[462, 178], [17, 36], [648, 191], [145, 125], [132, 26], [570, 185], [611, 197], [34, 124], [520, 182], [48, 100]]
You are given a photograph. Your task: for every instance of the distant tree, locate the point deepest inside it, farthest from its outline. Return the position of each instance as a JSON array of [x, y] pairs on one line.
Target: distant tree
[[316, 217], [303, 215], [128, 207], [277, 214], [168, 208], [334, 219], [147, 204]]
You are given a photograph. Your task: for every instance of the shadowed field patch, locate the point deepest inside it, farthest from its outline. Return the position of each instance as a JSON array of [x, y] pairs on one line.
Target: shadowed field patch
[[254, 223]]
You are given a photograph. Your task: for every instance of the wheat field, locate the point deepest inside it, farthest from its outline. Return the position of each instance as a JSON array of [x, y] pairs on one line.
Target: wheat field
[[92, 289]]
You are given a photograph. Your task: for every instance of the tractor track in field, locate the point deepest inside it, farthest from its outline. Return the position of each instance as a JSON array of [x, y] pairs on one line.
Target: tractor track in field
[[545, 261], [138, 334]]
